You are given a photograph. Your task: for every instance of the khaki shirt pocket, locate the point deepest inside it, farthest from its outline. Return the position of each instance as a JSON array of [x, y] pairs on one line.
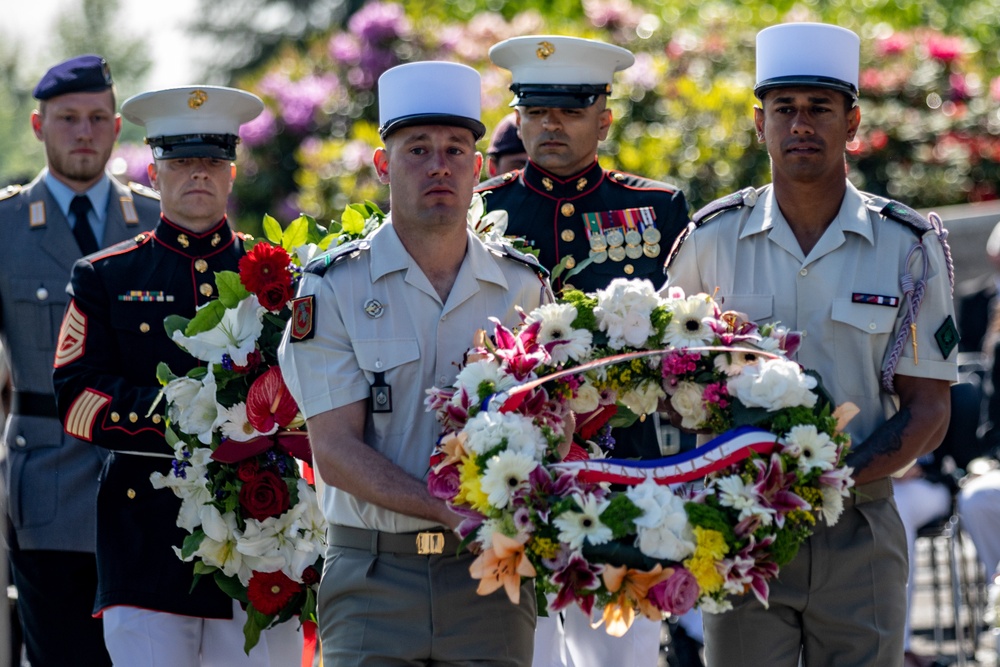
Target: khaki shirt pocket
[[862, 332], [758, 308]]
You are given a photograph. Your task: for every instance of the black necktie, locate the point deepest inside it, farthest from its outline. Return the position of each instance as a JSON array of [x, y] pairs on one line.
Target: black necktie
[[79, 207]]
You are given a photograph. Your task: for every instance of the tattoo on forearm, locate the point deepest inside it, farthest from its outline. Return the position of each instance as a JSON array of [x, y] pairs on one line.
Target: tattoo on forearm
[[887, 439]]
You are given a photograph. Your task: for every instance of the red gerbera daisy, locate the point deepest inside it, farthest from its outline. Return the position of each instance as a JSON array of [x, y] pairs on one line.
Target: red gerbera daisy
[[264, 268], [269, 592]]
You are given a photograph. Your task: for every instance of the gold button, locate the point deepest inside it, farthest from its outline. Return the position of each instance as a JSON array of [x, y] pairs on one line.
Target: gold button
[[130, 493], [629, 269], [567, 235], [570, 262], [157, 419], [205, 289], [618, 177], [509, 176], [115, 417], [132, 417], [200, 265], [144, 328], [567, 209], [547, 184]]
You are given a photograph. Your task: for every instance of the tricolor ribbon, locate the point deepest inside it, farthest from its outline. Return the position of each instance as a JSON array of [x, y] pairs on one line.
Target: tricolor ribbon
[[294, 443], [722, 452]]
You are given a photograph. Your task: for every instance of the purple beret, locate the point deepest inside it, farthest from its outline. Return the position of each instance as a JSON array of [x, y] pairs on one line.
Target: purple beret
[[82, 74], [505, 140]]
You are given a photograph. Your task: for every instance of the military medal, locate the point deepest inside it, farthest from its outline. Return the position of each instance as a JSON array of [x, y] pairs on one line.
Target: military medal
[[616, 253], [651, 250], [599, 256], [615, 238], [592, 225], [633, 251], [651, 235], [632, 235]]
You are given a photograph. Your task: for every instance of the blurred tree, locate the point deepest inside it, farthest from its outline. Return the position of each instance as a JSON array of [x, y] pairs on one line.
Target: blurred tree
[[22, 155]]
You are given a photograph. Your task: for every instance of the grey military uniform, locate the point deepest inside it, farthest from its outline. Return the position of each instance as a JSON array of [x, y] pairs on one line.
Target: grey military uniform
[[51, 478]]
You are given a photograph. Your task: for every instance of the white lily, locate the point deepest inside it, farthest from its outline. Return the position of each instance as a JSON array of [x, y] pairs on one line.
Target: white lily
[[236, 335], [218, 547], [198, 414]]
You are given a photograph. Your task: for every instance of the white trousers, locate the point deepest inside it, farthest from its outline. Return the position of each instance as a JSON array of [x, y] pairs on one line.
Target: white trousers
[[979, 509], [919, 502], [565, 639], [144, 638]]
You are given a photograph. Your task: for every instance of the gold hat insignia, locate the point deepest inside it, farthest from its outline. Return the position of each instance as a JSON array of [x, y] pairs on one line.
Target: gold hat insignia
[[544, 50], [197, 98]]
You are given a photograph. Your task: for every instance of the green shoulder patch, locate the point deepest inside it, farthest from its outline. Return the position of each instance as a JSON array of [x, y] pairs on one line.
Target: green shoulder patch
[[947, 336]]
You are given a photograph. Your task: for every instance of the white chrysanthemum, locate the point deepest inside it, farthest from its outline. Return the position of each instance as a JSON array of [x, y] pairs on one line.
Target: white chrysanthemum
[[663, 529], [733, 492], [557, 325], [833, 504], [505, 474], [490, 429], [732, 363], [481, 372], [586, 399], [688, 327], [577, 526], [623, 311], [644, 399], [234, 424], [814, 448], [773, 384], [687, 401], [235, 335]]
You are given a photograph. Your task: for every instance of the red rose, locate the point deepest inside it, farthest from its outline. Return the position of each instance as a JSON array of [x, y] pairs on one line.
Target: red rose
[[269, 592], [247, 470], [265, 267], [254, 360], [276, 296], [310, 576], [265, 495]]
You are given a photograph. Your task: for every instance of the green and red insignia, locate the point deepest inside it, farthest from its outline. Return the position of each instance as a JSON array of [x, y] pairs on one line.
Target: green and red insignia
[[303, 310]]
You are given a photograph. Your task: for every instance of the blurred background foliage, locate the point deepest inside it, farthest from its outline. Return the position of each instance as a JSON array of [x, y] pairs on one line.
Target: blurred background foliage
[[683, 113]]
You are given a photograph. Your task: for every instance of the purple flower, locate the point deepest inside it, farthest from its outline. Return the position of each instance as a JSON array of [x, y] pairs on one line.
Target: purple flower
[[379, 21], [344, 49], [677, 594], [129, 161], [642, 74], [444, 483], [260, 130], [576, 582]]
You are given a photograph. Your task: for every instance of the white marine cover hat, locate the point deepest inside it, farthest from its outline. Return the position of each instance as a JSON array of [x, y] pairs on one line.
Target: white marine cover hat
[[807, 54], [557, 71], [193, 121], [430, 92]]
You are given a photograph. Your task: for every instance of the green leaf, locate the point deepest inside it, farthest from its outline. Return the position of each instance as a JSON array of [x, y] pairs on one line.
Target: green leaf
[[231, 586], [623, 418], [164, 374], [206, 319], [256, 622], [192, 542], [174, 323], [272, 229], [296, 234], [353, 221], [231, 289]]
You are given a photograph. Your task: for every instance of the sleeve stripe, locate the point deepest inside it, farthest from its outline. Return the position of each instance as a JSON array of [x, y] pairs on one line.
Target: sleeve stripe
[[72, 336], [83, 413]]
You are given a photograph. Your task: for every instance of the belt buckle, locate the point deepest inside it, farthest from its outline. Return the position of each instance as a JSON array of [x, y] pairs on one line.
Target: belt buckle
[[429, 544]]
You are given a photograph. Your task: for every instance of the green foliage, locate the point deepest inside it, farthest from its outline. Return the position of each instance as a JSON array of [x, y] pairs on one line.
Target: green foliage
[[710, 518], [620, 516]]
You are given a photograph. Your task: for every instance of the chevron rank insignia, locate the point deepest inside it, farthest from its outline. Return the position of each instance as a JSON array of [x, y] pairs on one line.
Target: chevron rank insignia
[[72, 335]]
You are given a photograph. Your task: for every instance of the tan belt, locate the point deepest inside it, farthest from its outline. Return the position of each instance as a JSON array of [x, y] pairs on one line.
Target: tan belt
[[424, 543], [865, 493]]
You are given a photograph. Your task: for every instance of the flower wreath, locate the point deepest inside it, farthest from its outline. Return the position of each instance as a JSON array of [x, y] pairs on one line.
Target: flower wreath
[[649, 537], [247, 498]]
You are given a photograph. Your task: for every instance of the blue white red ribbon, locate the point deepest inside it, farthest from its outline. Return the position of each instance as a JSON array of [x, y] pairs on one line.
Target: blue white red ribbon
[[723, 451]]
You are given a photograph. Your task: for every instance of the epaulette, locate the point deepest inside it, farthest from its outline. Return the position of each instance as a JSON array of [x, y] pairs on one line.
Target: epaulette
[[635, 182], [745, 197], [526, 258], [143, 191], [499, 181], [321, 264], [9, 191], [902, 213], [122, 247]]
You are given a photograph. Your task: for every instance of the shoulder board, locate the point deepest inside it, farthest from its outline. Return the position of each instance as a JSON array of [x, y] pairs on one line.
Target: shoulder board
[[498, 181], [526, 258], [9, 191], [143, 191], [638, 182], [321, 264], [122, 247], [745, 197], [901, 213]]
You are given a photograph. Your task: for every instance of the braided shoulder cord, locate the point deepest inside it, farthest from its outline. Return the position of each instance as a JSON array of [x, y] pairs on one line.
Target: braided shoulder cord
[[913, 292]]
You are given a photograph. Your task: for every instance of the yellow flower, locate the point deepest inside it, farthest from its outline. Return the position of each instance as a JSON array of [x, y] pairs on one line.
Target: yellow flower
[[543, 547], [705, 573], [470, 490], [711, 543]]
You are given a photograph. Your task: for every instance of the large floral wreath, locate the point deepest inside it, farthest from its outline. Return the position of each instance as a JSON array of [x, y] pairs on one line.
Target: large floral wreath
[[653, 537], [247, 498]]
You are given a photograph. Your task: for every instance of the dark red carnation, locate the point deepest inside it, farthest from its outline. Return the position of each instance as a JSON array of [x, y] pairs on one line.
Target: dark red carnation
[[265, 267], [247, 470], [310, 576], [269, 592], [265, 495]]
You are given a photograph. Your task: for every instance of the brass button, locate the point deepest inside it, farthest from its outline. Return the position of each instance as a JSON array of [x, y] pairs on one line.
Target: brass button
[[618, 177], [628, 269], [567, 235], [567, 209], [200, 265], [115, 417], [130, 493], [205, 289], [570, 262], [144, 327], [157, 419], [132, 417]]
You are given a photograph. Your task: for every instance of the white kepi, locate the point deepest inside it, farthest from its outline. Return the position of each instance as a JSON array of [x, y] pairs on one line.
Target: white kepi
[[807, 54], [429, 92]]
